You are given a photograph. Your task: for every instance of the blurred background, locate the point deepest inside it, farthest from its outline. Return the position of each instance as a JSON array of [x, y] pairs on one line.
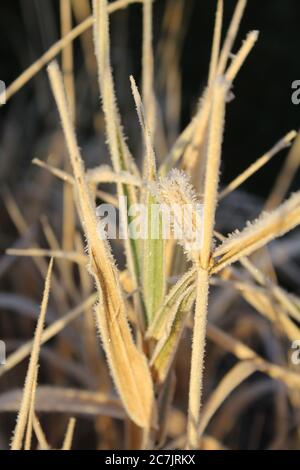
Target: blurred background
[[260, 114]]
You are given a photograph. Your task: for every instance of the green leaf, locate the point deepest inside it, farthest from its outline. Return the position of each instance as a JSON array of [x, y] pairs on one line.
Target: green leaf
[[162, 319], [154, 261], [166, 347]]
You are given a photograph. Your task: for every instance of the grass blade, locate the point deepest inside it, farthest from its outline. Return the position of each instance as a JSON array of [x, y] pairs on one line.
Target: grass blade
[[31, 376], [230, 382], [159, 325], [257, 234], [215, 136], [153, 278], [119, 152], [128, 365], [67, 444], [166, 347]]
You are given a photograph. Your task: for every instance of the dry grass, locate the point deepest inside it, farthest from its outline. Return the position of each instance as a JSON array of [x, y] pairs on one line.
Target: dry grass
[[147, 312]]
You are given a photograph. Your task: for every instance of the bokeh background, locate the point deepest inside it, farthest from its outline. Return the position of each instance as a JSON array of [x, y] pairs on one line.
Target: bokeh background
[[261, 113]]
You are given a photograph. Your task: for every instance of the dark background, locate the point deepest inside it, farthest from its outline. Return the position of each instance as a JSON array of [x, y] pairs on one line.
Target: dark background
[[261, 113]]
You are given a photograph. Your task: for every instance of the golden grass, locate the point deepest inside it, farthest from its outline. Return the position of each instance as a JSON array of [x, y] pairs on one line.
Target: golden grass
[[128, 365], [144, 312], [25, 416]]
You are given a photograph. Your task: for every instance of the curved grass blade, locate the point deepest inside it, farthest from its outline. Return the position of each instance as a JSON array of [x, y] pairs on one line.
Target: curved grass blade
[[128, 365], [166, 347]]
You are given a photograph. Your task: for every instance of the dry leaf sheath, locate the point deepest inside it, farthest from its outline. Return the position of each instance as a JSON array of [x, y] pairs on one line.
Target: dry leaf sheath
[[128, 365]]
